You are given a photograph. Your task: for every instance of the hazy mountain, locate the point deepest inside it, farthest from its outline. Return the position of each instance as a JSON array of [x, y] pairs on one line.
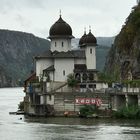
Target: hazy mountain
[[16, 55], [105, 41]]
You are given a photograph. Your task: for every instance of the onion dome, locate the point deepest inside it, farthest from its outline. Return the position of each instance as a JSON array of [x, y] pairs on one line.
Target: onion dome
[[90, 39], [87, 39], [60, 29], [82, 39]]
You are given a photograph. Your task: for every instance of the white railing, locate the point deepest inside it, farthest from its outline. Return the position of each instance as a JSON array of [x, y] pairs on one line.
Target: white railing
[[130, 90]]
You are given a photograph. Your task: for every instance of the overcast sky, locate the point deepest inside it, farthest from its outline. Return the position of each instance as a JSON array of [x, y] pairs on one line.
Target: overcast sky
[[105, 17]]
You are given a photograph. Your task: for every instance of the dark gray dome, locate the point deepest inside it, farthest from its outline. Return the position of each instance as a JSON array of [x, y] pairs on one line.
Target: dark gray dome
[[82, 39], [60, 29], [90, 39]]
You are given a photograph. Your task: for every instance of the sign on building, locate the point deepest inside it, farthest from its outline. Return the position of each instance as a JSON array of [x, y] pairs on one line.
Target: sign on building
[[88, 101]]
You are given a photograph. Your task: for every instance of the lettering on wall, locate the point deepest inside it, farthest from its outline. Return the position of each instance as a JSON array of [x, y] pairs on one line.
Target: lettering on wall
[[88, 101]]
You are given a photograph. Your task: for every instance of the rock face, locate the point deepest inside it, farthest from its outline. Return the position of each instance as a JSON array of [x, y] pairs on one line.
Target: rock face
[[123, 60], [17, 50]]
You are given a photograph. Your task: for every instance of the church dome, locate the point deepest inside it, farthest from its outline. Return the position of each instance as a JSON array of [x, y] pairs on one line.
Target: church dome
[[90, 39], [82, 39], [60, 29]]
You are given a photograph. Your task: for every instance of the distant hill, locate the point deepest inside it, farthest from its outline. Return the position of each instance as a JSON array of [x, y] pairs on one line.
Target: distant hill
[[105, 41], [16, 55], [101, 54]]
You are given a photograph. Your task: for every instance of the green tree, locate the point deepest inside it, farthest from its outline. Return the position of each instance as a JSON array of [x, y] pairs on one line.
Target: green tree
[[72, 82]]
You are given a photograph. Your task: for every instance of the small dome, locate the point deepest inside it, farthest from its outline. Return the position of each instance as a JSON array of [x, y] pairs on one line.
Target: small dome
[[60, 28], [82, 39], [87, 39], [90, 39]]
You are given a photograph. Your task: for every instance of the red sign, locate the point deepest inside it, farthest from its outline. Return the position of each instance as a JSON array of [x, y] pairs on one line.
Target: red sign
[[90, 101]]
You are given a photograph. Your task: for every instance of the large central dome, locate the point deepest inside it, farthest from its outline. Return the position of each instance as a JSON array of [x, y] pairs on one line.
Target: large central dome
[[60, 29]]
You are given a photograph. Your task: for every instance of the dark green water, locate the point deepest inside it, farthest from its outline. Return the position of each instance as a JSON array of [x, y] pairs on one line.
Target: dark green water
[[13, 128]]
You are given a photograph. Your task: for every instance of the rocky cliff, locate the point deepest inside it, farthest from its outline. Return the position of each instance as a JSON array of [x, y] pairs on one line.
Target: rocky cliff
[[123, 61], [17, 50]]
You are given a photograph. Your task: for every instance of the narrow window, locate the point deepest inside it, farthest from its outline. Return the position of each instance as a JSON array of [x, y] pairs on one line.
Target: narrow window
[[55, 44], [50, 97], [64, 72], [62, 44], [90, 51]]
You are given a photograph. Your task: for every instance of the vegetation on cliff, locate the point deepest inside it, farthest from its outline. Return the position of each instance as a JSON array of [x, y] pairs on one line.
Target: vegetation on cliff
[[123, 60]]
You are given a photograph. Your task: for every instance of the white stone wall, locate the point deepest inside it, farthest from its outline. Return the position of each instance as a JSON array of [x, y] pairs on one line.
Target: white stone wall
[[100, 86], [42, 64], [91, 57], [41, 99], [63, 67], [56, 45], [51, 74], [50, 99]]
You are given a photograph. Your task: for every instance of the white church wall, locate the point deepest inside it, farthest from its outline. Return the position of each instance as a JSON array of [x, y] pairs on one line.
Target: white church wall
[[63, 67], [61, 45], [42, 64], [51, 74], [91, 57]]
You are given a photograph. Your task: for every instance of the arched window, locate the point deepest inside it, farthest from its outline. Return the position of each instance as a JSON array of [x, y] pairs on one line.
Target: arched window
[[78, 77], [84, 77], [62, 44], [63, 72], [55, 44], [90, 51]]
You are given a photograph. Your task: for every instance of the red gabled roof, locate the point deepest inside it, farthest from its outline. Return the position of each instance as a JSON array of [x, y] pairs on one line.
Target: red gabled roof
[[31, 77]]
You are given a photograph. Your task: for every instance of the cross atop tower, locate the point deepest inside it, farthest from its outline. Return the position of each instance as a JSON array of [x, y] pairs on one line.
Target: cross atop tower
[[89, 28], [60, 12], [84, 30]]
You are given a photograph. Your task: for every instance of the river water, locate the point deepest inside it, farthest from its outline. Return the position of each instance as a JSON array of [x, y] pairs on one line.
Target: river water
[[18, 127]]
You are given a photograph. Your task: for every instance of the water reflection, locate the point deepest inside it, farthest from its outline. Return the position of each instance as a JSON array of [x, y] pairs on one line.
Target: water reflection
[[13, 128]]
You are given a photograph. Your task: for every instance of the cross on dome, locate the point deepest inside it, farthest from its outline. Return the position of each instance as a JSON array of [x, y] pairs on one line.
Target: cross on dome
[[60, 13], [89, 28]]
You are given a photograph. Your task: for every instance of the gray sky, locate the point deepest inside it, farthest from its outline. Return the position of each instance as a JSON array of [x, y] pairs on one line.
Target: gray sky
[[106, 17]]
